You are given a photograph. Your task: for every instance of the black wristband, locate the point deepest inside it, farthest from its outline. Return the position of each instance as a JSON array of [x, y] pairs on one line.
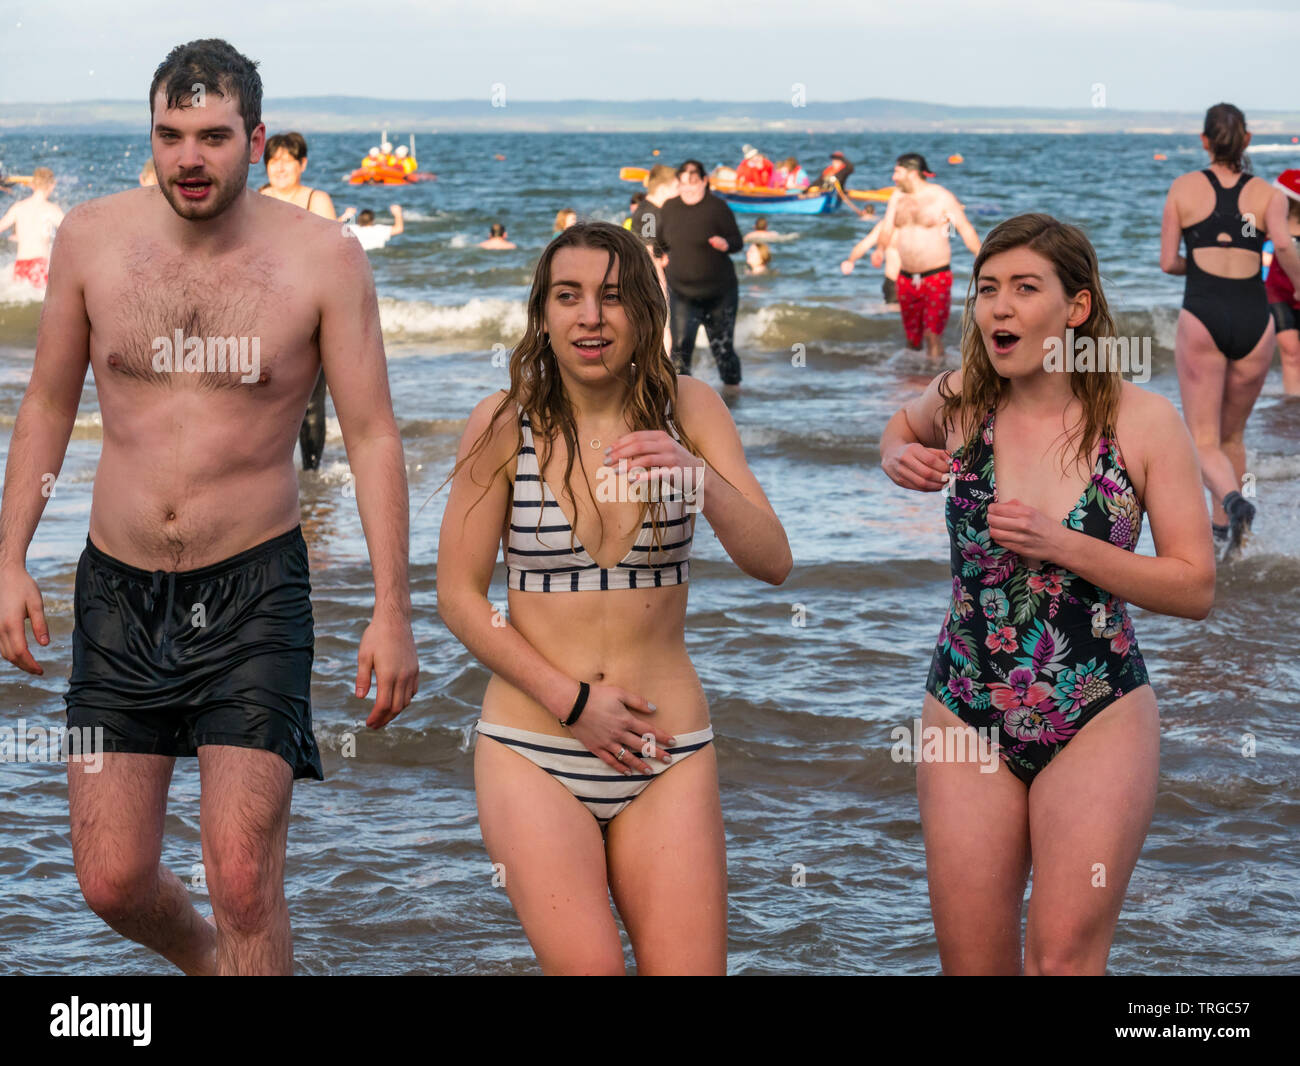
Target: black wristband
[[578, 704]]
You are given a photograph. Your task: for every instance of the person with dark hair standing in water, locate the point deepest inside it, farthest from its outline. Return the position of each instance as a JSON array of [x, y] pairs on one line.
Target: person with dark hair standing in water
[[595, 769], [699, 233], [917, 223], [286, 159], [1224, 340], [192, 630]]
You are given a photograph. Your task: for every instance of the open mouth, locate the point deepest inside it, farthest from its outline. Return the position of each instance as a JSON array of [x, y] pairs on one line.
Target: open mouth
[[194, 188], [1004, 341], [592, 347]]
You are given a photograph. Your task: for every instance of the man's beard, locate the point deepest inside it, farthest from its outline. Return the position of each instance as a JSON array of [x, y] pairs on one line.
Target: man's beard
[[220, 197]]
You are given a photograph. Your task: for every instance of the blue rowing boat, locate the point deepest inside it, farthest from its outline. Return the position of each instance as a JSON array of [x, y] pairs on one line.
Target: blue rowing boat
[[791, 204]]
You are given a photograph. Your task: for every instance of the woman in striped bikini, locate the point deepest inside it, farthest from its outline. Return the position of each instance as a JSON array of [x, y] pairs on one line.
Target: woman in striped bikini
[[593, 699]]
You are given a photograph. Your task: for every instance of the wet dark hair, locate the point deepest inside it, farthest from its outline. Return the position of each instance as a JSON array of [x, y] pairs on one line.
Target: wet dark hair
[[366, 217], [293, 143], [215, 65], [497, 230], [1225, 129], [691, 163], [760, 222], [912, 161]]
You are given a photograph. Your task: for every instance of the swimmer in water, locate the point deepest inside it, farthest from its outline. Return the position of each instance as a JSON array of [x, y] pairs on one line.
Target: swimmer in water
[[496, 241], [374, 235], [34, 220]]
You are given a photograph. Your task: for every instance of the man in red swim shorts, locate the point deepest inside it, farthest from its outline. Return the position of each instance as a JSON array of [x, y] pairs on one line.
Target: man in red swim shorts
[[34, 220], [34, 271], [918, 218]]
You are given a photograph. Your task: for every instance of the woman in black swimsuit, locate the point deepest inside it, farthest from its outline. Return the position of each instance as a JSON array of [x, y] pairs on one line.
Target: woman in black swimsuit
[[286, 159], [1224, 341]]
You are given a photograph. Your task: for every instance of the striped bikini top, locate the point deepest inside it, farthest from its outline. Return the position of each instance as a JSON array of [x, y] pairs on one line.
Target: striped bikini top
[[540, 559]]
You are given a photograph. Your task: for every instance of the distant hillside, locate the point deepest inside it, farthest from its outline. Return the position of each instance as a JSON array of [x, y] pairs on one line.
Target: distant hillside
[[343, 114]]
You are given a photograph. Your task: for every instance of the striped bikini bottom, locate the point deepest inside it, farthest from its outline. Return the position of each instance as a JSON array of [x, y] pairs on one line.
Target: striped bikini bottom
[[602, 789]]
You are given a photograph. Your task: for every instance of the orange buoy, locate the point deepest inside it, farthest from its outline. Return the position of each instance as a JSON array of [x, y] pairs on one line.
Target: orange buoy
[[1160, 156], [499, 157], [655, 152], [1295, 140], [954, 159]]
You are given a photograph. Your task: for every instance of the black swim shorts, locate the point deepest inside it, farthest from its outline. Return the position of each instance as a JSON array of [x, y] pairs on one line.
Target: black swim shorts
[[1284, 316], [167, 661]]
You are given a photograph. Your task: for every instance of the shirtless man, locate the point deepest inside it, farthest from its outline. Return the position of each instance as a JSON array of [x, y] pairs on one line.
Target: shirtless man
[[34, 220], [192, 630], [918, 217]]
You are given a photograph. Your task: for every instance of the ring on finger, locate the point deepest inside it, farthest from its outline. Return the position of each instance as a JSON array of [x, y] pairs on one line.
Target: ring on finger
[[620, 754]]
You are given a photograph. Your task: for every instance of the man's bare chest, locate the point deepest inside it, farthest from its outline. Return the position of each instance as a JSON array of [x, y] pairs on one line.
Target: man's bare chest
[[160, 320], [922, 213]]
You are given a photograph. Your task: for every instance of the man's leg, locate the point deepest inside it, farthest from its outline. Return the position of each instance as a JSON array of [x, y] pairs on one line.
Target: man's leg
[[911, 307], [117, 826], [311, 437], [938, 305], [684, 318], [720, 327], [244, 824]]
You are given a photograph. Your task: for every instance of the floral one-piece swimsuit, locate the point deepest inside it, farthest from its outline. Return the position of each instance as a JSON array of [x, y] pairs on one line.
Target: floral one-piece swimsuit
[[1033, 654]]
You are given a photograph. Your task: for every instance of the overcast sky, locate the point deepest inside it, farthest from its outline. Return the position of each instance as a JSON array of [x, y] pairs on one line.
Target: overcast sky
[[1148, 54]]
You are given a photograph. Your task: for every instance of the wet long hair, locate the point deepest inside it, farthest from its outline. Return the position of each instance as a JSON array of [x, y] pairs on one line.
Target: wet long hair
[[1225, 129], [535, 381], [1075, 262]]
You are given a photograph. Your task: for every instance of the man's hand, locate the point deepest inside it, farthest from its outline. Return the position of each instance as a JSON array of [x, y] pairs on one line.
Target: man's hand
[[720, 243], [388, 650], [877, 258], [20, 599]]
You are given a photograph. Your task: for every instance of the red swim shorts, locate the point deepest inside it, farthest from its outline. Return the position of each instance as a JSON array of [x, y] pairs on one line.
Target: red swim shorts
[[36, 271], [925, 300]]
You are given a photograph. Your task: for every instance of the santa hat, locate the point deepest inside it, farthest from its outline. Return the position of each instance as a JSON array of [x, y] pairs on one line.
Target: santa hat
[[1289, 182]]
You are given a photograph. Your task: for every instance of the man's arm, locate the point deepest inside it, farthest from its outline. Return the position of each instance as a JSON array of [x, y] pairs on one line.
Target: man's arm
[[40, 441], [399, 223], [957, 216], [886, 229], [356, 370]]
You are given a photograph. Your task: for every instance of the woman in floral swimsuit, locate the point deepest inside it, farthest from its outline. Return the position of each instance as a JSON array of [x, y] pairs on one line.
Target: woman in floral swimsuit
[[1037, 650]]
